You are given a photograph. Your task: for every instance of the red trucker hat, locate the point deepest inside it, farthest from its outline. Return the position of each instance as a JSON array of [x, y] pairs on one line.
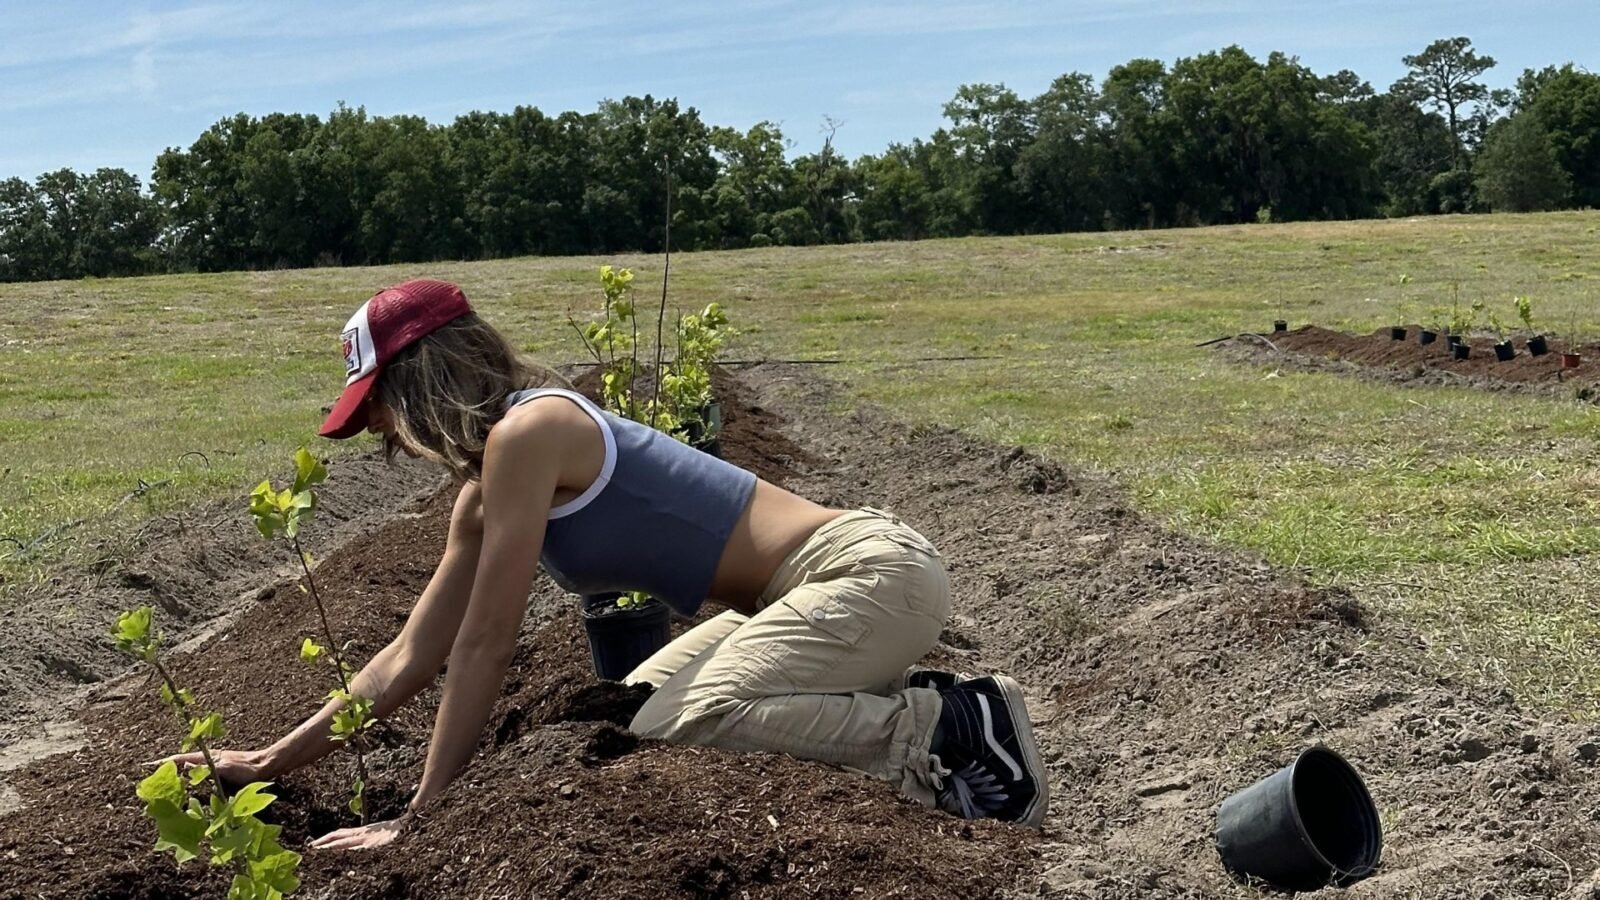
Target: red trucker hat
[[382, 327]]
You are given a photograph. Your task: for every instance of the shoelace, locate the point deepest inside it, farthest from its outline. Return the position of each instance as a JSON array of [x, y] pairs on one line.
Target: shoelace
[[972, 793]]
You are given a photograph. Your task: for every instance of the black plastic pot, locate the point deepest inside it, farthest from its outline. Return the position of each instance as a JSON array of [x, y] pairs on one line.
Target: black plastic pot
[[1537, 345], [620, 639], [1280, 325], [1310, 824], [1570, 360], [1397, 333], [1503, 351], [706, 433], [1462, 350], [1451, 340], [1427, 337]]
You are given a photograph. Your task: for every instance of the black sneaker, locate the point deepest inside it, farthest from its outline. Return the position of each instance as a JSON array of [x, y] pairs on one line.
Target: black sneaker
[[935, 679], [986, 741]]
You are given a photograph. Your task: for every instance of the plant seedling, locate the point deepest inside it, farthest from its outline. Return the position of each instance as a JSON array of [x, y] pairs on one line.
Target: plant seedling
[[224, 828], [284, 513], [1525, 312]]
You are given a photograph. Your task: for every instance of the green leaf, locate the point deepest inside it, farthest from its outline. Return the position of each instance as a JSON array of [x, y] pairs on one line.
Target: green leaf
[[310, 651], [163, 784], [245, 887], [132, 632], [275, 867], [229, 839], [251, 799], [308, 470], [199, 774], [207, 727], [177, 829]]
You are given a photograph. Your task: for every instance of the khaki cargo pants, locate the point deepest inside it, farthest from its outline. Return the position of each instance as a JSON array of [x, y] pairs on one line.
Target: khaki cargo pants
[[819, 671]]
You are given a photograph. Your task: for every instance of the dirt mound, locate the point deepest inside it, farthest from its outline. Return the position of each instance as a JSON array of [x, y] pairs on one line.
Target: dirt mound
[[560, 802], [193, 569], [1164, 673], [1378, 355]]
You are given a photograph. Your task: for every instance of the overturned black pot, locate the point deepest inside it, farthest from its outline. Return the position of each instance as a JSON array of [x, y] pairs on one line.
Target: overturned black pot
[[1427, 337], [1397, 333], [1538, 346], [1308, 825], [620, 638], [1503, 351], [1462, 350]]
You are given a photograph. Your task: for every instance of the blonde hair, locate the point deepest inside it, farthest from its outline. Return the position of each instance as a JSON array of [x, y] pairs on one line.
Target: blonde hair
[[449, 387]]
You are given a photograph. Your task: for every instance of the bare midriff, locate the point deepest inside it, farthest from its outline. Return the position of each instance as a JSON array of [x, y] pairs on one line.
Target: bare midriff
[[773, 525]]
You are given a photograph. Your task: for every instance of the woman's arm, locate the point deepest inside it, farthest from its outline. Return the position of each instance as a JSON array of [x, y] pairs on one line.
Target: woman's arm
[[413, 659], [396, 673], [521, 471]]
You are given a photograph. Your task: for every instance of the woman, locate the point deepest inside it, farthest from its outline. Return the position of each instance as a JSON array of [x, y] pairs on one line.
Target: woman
[[826, 608]]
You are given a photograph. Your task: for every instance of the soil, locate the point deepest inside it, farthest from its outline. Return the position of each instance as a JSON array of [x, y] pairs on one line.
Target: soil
[[1164, 673], [197, 570], [1378, 355]]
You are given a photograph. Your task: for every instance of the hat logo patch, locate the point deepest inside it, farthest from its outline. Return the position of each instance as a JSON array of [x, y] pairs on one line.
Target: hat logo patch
[[352, 351]]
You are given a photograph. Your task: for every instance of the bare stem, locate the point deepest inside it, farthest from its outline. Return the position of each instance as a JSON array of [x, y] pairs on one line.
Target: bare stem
[[587, 344], [661, 314], [633, 366], [179, 709], [338, 665]]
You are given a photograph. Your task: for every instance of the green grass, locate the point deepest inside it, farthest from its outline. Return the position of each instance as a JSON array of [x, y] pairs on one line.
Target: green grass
[[1427, 502]]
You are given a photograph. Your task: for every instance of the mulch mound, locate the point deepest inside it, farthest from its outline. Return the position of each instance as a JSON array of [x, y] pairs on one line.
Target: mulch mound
[[561, 801], [1378, 355], [1164, 673]]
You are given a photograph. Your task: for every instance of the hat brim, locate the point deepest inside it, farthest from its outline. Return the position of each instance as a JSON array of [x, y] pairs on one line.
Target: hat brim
[[348, 417]]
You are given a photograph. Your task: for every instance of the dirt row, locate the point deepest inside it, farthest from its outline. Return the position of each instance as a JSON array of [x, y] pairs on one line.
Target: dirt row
[[1164, 672], [1379, 356]]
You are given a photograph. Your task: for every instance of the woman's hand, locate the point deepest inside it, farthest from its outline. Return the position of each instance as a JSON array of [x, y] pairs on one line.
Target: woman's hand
[[367, 837], [234, 767]]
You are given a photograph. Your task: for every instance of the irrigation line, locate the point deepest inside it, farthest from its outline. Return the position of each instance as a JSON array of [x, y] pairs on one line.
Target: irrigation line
[[839, 362], [1246, 334], [143, 488]]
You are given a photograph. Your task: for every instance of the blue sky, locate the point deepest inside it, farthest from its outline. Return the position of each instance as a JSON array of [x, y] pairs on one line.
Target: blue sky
[[87, 84]]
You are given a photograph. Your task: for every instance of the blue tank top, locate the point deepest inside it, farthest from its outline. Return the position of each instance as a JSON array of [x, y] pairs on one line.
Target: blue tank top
[[656, 519]]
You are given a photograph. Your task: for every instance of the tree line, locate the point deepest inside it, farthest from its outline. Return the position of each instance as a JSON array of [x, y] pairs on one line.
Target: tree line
[[1217, 138]]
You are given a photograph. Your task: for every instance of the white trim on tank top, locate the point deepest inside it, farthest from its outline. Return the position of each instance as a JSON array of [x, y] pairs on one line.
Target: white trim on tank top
[[606, 468]]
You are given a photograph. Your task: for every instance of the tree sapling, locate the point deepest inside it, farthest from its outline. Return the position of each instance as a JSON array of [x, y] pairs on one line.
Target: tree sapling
[[225, 827], [1537, 345], [1503, 350], [284, 513]]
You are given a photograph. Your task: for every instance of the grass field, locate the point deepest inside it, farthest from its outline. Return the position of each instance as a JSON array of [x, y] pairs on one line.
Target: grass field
[[1473, 516]]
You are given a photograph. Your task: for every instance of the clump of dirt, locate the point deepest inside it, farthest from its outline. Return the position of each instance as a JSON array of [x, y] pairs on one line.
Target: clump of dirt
[[1378, 355]]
